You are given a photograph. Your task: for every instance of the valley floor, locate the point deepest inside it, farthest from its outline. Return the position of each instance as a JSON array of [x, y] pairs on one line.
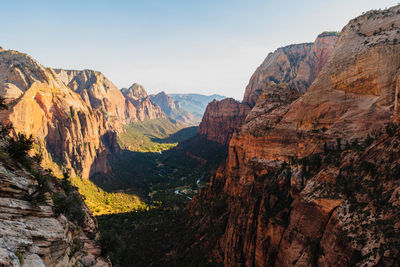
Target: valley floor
[[141, 207]]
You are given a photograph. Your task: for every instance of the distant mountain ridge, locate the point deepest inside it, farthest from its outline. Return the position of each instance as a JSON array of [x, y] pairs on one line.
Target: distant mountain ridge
[[173, 109], [195, 103]]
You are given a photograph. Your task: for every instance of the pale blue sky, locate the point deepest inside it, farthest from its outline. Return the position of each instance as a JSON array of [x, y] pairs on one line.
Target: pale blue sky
[[203, 46]]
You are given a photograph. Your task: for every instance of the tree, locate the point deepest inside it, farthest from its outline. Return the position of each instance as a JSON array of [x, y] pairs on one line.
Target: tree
[[4, 128], [19, 146], [339, 143], [3, 105]]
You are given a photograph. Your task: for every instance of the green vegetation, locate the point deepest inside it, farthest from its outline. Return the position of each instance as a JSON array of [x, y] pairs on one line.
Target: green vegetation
[[101, 202], [20, 257], [19, 146], [70, 206], [146, 236], [39, 195], [71, 112], [141, 238], [147, 136], [75, 246], [329, 33]]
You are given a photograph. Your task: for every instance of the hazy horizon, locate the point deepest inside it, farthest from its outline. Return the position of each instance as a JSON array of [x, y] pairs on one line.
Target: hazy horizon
[[207, 47]]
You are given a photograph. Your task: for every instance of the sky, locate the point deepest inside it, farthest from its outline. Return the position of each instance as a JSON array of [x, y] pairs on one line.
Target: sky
[[176, 46]]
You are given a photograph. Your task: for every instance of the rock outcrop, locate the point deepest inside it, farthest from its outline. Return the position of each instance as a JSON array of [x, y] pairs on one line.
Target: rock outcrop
[[72, 114], [145, 108], [298, 65], [221, 119], [68, 130], [295, 66], [118, 108], [173, 109], [298, 187], [36, 234]]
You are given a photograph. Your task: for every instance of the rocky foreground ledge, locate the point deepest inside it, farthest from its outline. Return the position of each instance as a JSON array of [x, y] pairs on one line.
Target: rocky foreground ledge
[[39, 234]]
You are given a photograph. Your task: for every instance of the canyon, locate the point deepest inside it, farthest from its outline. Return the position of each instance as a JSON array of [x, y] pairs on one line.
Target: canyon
[[304, 171], [74, 115]]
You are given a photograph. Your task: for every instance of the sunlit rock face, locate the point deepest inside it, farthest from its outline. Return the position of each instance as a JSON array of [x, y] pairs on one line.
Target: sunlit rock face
[[294, 66], [118, 107], [298, 65], [33, 234], [173, 109], [280, 198], [67, 128], [145, 108], [72, 114]]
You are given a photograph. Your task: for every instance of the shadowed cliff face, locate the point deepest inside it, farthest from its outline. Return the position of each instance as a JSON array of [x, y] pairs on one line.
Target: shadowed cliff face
[[221, 118], [297, 188]]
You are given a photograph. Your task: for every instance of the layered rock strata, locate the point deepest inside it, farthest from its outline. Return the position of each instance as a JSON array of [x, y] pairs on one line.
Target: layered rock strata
[[295, 66], [310, 179], [145, 107], [221, 119], [33, 234], [67, 129], [298, 65]]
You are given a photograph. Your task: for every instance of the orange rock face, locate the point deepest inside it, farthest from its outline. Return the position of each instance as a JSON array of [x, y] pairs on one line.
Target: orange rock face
[[283, 199], [294, 67], [297, 65], [100, 94], [67, 128], [73, 114], [221, 118]]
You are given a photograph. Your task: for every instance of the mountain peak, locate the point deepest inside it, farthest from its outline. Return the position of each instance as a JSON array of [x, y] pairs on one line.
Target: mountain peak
[[136, 91]]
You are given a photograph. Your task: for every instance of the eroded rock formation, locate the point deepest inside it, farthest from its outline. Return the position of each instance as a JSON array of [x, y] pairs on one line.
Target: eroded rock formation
[[70, 113], [299, 188], [295, 66], [68, 130], [34, 234], [221, 118], [145, 109], [298, 65], [100, 94]]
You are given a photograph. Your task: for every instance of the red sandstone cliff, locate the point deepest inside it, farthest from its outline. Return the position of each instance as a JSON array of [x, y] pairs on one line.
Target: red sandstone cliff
[[221, 118], [298, 189], [100, 94], [297, 65], [118, 107], [68, 130], [73, 114]]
